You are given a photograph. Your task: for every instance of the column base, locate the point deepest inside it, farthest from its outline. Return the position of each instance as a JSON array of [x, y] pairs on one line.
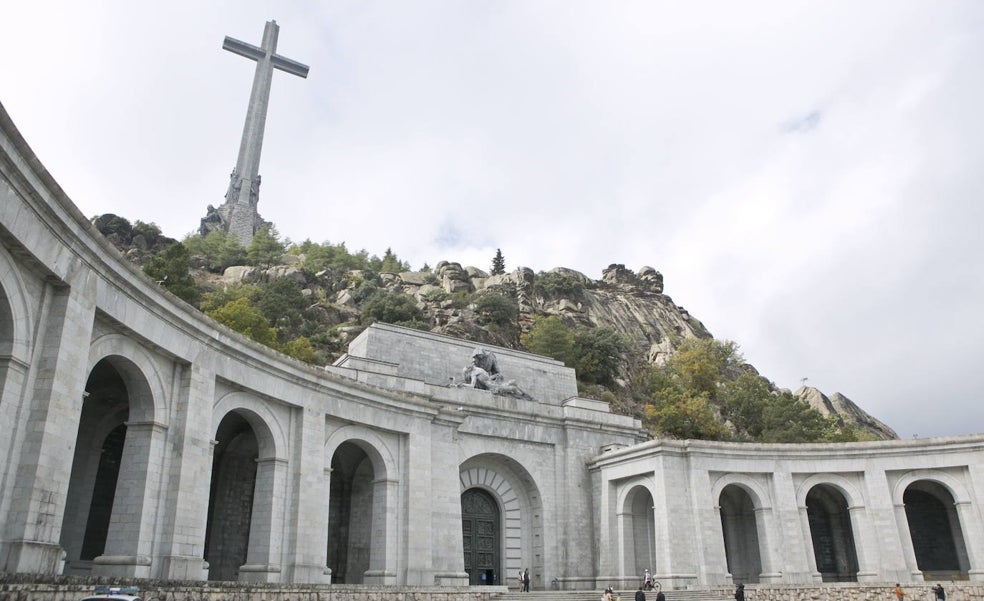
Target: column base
[[309, 574], [379, 577], [451, 578], [30, 556], [255, 572], [182, 567], [123, 566]]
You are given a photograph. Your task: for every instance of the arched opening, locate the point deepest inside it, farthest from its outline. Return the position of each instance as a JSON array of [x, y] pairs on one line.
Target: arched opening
[[740, 529], [230, 501], [6, 338], [521, 531], [350, 514], [639, 532], [833, 537], [937, 538], [481, 529], [95, 468]]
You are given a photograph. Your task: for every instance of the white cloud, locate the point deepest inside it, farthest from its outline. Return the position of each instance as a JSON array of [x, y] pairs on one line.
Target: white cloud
[[805, 175]]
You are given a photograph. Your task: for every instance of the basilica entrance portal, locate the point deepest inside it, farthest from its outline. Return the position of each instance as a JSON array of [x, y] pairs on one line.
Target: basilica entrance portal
[[480, 529]]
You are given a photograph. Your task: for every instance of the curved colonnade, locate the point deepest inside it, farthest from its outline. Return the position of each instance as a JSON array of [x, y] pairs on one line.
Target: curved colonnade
[[144, 440]]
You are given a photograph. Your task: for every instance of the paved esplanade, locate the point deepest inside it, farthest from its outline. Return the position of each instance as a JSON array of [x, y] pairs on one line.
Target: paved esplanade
[[244, 184]]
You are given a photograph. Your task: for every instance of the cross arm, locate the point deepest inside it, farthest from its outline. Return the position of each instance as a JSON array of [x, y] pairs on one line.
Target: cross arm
[[292, 67], [242, 48]]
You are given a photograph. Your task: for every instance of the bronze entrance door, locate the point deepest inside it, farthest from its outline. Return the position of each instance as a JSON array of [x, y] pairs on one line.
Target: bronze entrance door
[[480, 531]]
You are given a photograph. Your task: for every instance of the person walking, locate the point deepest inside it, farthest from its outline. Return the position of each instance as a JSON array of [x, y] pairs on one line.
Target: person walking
[[526, 580], [899, 593], [640, 596], [740, 593], [940, 593]]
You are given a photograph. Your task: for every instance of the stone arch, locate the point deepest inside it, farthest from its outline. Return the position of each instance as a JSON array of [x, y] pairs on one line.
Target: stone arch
[[140, 373], [948, 481], [637, 527], [378, 451], [16, 330], [16, 313], [758, 493], [520, 536], [363, 492], [266, 424], [246, 493], [934, 524], [844, 486], [831, 531]]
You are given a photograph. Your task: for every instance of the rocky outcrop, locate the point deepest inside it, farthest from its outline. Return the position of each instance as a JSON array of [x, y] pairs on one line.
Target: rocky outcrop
[[844, 410]]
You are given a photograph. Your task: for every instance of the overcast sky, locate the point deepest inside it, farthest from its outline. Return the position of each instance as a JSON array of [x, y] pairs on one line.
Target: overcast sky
[[807, 176]]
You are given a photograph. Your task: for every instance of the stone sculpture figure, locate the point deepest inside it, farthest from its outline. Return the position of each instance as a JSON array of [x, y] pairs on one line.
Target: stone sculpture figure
[[484, 374]]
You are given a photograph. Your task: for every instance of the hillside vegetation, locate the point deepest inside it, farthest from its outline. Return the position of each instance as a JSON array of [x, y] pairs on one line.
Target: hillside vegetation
[[629, 343]]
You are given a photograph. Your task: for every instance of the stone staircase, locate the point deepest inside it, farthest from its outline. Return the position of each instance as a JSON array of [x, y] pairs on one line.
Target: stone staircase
[[588, 595]]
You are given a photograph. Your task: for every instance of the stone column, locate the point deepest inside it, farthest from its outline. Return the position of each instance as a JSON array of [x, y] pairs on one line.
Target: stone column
[[14, 411], [266, 527], [765, 527], [382, 555], [886, 552], [129, 543], [908, 552], [309, 521], [811, 557], [864, 544], [625, 546], [971, 532], [793, 532], [55, 385], [436, 552], [189, 473]]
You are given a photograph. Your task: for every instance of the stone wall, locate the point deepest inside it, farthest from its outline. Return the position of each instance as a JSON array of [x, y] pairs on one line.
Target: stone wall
[[853, 592], [25, 588]]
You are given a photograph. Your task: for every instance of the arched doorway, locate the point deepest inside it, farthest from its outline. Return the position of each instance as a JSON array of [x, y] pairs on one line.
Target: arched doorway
[[95, 468], [481, 531], [230, 502], [521, 535], [638, 533], [832, 534], [937, 538], [350, 514], [740, 529]]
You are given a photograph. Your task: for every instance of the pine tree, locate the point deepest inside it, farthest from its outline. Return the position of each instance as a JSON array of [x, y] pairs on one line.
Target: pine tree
[[498, 263]]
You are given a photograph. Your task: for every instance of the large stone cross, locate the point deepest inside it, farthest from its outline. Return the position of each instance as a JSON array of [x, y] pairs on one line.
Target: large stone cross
[[244, 184]]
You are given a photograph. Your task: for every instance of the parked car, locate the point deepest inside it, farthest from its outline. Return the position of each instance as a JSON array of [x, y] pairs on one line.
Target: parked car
[[114, 593]]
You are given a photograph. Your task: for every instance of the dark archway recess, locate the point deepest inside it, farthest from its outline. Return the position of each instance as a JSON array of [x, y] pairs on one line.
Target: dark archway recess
[[934, 526], [350, 504], [230, 502], [833, 536], [95, 468], [481, 530], [103, 494], [741, 541]]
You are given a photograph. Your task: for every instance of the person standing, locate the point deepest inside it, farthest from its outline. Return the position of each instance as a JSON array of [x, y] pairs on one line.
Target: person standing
[[519, 579], [940, 593], [526, 580], [740, 593], [640, 596]]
